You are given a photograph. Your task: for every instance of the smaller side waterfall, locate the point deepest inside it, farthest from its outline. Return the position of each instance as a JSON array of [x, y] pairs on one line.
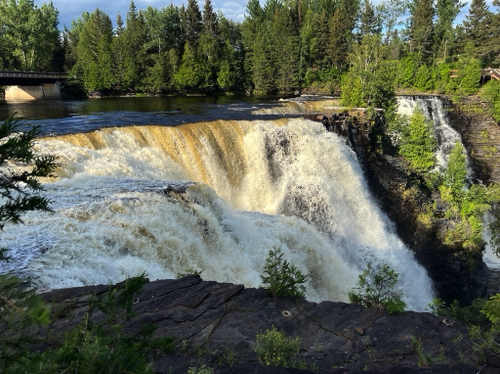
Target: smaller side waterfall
[[435, 112]]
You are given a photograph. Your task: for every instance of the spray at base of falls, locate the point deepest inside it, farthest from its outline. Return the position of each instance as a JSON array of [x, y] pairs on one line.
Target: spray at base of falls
[[285, 184]]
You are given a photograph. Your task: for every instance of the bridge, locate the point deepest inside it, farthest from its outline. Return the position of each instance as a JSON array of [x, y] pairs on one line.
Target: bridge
[[31, 85], [489, 74]]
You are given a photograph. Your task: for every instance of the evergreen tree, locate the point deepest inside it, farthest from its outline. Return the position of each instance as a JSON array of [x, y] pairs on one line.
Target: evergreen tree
[[210, 21], [188, 75], [94, 51], [341, 32], [369, 20], [20, 189], [422, 30], [478, 29], [71, 39], [338, 46], [446, 11], [455, 177], [119, 25], [132, 44], [210, 45], [193, 23], [418, 143]]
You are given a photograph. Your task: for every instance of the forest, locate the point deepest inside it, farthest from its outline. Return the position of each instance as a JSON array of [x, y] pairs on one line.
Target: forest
[[353, 46]]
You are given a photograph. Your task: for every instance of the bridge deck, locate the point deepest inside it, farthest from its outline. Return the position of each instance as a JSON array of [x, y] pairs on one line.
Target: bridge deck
[[27, 78]]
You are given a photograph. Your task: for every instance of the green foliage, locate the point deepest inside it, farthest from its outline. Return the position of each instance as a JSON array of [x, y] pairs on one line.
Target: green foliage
[[418, 143], [455, 176], [94, 52], [21, 188], [188, 75], [282, 278], [491, 95], [424, 81], [370, 82], [21, 312], [275, 349], [469, 314], [485, 340], [29, 35], [424, 359], [203, 369], [95, 347], [376, 288]]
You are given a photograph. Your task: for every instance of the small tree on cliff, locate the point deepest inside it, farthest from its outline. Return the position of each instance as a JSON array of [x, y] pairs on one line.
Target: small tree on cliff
[[418, 143], [376, 288], [282, 278]]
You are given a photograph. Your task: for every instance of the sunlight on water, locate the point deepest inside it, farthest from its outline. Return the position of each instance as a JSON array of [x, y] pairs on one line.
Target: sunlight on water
[[245, 187]]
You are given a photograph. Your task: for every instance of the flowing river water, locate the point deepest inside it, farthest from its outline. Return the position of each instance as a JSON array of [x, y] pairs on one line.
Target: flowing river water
[[205, 184]]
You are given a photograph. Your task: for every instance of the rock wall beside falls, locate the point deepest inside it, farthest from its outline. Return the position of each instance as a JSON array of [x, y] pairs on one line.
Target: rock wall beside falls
[[215, 324], [456, 275], [481, 136]]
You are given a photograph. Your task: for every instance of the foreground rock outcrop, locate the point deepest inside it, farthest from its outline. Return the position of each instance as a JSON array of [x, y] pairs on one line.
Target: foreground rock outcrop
[[216, 324]]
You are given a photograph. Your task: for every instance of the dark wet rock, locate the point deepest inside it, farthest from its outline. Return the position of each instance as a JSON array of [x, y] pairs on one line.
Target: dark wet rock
[[215, 324]]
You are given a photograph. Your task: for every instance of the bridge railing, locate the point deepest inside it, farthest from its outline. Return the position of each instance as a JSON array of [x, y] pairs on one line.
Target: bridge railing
[[32, 74]]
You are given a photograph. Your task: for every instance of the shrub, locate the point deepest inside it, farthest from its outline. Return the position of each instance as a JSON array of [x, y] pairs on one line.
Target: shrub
[[281, 278], [486, 341], [275, 349], [376, 289]]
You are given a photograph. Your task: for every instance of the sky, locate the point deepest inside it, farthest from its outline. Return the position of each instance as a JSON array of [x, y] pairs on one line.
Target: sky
[[72, 9], [232, 9]]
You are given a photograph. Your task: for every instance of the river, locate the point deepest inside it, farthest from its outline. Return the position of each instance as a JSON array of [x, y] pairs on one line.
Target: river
[[58, 117], [211, 184]]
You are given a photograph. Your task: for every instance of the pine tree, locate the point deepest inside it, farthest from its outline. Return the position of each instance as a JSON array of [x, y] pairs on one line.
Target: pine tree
[[210, 21], [338, 46], [20, 189], [369, 21], [193, 23], [418, 143], [94, 51], [446, 11], [119, 25], [478, 29], [422, 30], [131, 44]]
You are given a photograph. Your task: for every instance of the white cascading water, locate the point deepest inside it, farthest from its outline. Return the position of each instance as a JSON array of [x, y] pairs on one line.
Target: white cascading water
[[258, 185], [434, 111]]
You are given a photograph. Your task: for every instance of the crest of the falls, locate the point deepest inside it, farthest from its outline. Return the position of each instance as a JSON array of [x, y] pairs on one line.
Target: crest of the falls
[[248, 186]]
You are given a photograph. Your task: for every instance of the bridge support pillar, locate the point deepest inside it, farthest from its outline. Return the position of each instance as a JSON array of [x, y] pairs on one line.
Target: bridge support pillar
[[42, 91]]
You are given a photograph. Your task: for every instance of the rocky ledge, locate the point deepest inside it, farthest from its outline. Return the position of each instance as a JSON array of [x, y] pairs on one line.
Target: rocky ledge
[[215, 324]]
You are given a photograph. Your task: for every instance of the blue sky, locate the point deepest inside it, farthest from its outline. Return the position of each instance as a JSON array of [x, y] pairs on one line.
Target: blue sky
[[232, 9], [72, 9]]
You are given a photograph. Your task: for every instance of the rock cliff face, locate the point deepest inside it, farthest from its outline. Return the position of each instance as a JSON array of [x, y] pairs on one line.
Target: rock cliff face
[[481, 136], [215, 324], [455, 276]]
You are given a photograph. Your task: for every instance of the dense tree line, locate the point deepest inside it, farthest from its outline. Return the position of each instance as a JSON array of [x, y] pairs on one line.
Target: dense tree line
[[283, 45]]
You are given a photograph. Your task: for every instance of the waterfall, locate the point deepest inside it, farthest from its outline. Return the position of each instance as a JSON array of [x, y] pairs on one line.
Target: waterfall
[[212, 197], [435, 112]]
